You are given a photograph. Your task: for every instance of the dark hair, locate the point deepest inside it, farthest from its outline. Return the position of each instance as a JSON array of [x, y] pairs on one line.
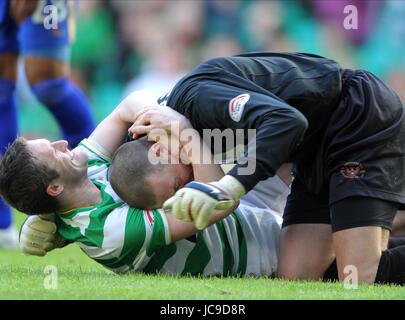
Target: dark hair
[[24, 180], [129, 171]]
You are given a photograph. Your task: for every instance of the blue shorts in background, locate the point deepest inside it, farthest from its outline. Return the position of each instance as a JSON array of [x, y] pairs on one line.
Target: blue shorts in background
[[33, 36]]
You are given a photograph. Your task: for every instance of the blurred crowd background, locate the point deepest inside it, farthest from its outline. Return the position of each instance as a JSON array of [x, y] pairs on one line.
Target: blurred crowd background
[[124, 45]]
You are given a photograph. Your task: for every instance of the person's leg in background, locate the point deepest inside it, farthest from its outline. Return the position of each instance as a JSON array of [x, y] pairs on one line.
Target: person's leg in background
[[8, 132], [46, 55], [50, 84], [8, 115]]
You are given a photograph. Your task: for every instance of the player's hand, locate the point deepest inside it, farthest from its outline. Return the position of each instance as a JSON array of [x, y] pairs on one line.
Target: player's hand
[[38, 235], [196, 202], [160, 119]]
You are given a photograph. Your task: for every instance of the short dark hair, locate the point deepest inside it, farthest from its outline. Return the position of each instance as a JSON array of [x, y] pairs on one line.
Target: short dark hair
[[24, 180], [130, 168]]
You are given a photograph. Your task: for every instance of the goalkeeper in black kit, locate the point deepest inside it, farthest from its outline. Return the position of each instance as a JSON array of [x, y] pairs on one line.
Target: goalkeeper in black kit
[[344, 131]]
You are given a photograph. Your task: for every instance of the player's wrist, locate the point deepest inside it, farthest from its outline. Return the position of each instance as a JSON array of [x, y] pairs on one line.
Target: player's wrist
[[59, 242], [190, 144], [231, 185], [213, 190], [184, 124]]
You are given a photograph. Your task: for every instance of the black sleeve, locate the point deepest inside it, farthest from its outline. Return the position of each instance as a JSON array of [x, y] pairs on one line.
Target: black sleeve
[[279, 128]]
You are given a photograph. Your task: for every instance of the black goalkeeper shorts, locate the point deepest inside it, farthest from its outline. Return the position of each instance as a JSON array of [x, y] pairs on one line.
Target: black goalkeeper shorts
[[362, 157], [351, 212]]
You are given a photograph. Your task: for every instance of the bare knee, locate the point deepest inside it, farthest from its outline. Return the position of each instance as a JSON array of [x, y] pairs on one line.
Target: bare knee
[[358, 252], [305, 252], [362, 270], [296, 270]]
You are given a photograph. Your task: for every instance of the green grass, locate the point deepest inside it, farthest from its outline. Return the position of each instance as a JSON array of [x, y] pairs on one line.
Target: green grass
[[22, 277]]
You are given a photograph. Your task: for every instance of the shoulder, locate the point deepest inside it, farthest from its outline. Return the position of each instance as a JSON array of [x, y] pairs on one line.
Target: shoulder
[[95, 150]]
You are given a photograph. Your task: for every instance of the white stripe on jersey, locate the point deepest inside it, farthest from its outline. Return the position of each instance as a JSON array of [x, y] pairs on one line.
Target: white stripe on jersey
[[97, 149], [114, 232], [270, 193], [97, 172], [141, 260], [214, 244], [81, 220], [166, 224], [96, 152], [176, 263], [261, 228], [113, 237], [122, 269], [96, 252], [110, 191], [209, 269], [260, 213], [253, 251], [232, 235]]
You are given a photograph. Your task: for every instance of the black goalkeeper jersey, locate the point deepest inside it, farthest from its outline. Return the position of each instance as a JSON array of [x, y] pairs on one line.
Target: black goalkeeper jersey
[[287, 97]]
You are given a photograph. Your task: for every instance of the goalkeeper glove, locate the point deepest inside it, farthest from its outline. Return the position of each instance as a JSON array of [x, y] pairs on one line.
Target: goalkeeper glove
[[38, 235], [196, 201]]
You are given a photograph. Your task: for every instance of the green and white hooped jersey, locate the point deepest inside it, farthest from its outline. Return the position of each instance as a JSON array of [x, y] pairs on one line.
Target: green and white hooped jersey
[[125, 239]]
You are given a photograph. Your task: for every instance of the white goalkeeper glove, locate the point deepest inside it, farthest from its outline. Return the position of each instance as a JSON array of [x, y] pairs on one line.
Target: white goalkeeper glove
[[38, 235], [197, 200]]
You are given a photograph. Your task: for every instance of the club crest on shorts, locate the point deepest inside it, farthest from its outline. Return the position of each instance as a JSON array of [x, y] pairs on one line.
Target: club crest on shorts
[[236, 106], [352, 170]]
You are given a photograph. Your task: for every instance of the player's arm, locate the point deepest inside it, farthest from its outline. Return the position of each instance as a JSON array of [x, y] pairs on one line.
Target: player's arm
[[204, 170], [182, 226], [175, 133], [195, 152], [112, 131], [276, 131], [276, 127], [200, 157], [184, 229]]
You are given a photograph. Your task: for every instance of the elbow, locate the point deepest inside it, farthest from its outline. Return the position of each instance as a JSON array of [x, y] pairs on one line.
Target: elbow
[[300, 121], [139, 96], [290, 118]]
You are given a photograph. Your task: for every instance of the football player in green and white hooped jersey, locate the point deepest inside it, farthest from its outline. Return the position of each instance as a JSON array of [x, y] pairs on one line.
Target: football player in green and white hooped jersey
[[128, 239]]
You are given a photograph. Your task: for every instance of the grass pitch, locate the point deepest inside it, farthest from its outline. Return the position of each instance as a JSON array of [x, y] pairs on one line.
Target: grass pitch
[[78, 277]]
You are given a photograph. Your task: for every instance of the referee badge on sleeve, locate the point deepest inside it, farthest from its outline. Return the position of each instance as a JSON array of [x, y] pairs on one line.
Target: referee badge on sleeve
[[352, 170], [236, 106]]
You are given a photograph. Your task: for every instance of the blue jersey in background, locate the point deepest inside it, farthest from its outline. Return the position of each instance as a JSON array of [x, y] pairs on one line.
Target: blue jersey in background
[[37, 32]]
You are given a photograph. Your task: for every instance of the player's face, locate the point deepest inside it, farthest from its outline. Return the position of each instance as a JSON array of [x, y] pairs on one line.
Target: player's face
[[165, 183], [70, 164]]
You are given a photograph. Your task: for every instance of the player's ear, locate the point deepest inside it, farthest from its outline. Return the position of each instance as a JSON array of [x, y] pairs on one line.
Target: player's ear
[[156, 149], [54, 189]]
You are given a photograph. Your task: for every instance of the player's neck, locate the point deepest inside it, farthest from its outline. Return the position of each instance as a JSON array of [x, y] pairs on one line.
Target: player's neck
[[83, 196]]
